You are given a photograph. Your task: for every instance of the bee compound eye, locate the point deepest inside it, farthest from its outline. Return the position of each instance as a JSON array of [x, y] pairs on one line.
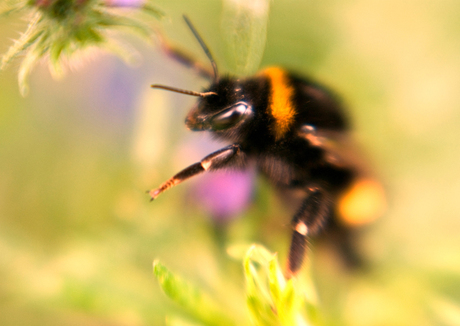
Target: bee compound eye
[[229, 117]]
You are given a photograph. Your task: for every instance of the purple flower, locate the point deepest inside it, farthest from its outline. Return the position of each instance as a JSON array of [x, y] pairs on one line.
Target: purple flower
[[125, 3], [224, 194]]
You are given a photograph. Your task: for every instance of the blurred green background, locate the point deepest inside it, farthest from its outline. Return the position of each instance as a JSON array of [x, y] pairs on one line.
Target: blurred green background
[[78, 234]]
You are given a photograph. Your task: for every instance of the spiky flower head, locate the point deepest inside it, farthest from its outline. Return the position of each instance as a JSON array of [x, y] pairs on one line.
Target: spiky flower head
[[58, 30]]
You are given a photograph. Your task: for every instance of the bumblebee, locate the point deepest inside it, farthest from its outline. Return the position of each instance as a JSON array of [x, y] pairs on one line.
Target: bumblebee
[[296, 132]]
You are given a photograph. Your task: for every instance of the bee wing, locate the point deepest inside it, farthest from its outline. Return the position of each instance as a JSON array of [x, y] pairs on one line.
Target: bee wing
[[245, 27], [364, 200], [340, 148]]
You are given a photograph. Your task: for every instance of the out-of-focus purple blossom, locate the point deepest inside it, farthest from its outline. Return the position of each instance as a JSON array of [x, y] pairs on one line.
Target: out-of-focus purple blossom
[[125, 3], [224, 194]]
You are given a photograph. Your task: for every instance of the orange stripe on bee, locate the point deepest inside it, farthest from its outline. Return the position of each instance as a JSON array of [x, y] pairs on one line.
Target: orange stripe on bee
[[280, 103]]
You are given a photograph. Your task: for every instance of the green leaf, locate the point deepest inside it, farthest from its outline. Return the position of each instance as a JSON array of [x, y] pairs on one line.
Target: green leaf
[[271, 299], [197, 304], [276, 280]]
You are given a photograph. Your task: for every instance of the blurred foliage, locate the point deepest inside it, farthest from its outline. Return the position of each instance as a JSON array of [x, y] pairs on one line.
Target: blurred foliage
[[198, 305], [78, 234], [59, 29], [270, 298]]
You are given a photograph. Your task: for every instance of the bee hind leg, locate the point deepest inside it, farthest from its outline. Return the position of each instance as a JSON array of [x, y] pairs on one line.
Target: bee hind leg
[[308, 221]]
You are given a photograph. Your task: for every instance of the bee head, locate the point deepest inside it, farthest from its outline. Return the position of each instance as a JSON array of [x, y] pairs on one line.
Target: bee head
[[224, 108]]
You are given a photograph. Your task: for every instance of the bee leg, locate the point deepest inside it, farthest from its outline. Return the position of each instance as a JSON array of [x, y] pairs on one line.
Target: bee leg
[[221, 158], [184, 58], [306, 222]]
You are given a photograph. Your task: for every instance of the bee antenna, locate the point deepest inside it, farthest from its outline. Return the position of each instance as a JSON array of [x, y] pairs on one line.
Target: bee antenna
[[183, 91], [203, 46]]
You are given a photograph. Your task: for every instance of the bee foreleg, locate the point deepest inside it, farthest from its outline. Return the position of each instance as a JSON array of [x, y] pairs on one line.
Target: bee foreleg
[[221, 158], [306, 222]]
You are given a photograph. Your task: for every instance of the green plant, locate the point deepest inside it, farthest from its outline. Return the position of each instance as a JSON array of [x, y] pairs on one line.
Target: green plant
[[270, 298], [61, 30]]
